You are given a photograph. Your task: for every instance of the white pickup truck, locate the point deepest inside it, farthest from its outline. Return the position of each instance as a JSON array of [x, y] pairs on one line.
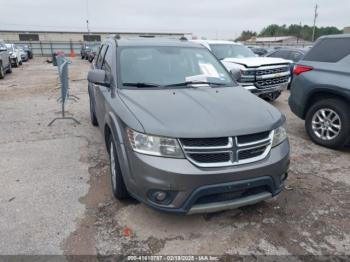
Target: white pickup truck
[[266, 77]]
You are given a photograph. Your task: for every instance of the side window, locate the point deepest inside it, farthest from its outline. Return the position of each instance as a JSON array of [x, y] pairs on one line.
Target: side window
[[101, 55], [280, 54], [295, 56], [107, 64], [329, 50]]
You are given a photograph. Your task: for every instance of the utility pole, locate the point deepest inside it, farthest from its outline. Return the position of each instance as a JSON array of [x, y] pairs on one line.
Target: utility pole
[[315, 18], [299, 33], [87, 17]]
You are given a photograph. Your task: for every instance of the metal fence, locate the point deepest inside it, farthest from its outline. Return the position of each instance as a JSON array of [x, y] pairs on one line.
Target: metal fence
[[46, 48]]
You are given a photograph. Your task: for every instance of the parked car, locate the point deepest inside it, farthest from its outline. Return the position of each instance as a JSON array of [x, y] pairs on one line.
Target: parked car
[[15, 55], [93, 52], [263, 76], [320, 92], [85, 49], [182, 136], [259, 51], [294, 55], [24, 55], [5, 63], [26, 49]]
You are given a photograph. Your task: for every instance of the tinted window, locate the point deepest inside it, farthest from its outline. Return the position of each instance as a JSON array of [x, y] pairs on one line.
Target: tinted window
[[280, 54], [170, 65], [329, 50], [295, 56], [107, 64], [222, 51]]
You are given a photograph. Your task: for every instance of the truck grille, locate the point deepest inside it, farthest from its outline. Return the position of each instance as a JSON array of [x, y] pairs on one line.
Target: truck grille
[[266, 76], [260, 72], [213, 152], [266, 83]]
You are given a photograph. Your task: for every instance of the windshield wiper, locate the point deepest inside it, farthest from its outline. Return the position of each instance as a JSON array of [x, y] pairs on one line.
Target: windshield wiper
[[187, 83], [141, 84]]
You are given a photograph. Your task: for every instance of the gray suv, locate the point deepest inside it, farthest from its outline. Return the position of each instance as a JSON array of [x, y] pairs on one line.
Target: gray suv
[[182, 136], [320, 91], [5, 63]]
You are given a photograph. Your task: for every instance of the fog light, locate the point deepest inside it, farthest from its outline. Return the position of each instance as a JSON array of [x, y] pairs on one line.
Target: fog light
[[160, 196], [283, 177]]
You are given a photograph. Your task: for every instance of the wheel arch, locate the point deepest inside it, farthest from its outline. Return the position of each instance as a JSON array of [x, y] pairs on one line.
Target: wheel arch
[[324, 94]]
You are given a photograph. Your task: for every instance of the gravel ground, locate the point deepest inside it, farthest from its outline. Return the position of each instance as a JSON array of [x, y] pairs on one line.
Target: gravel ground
[[56, 198]]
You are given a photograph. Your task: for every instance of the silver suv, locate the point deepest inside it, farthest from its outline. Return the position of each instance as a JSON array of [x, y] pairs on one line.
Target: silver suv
[[5, 63], [182, 136], [320, 91]]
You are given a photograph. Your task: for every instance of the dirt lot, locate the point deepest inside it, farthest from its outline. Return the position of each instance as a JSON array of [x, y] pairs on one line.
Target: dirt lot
[[55, 195]]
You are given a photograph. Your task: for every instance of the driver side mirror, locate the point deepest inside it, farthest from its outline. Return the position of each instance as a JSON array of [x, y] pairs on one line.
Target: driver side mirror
[[99, 77]]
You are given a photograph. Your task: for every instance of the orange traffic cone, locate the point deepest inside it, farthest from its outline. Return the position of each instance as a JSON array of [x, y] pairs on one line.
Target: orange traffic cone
[[72, 54]]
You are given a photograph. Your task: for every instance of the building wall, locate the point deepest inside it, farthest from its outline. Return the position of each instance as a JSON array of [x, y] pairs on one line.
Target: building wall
[[347, 30], [76, 37]]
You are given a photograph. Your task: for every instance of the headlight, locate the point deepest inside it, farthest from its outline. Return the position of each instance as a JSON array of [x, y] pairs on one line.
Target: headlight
[[154, 145], [280, 134]]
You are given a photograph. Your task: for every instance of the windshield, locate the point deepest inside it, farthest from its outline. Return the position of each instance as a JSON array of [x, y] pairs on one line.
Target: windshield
[[222, 51], [170, 66]]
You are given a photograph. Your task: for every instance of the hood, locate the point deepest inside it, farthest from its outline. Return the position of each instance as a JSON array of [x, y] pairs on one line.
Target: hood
[[256, 61], [200, 112]]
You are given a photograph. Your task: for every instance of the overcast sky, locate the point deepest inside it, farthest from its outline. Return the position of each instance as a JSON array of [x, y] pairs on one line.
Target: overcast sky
[[209, 18]]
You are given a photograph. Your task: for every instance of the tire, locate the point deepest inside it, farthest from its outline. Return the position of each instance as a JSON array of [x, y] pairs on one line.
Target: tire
[[2, 72], [20, 63], [118, 186], [335, 131], [16, 63], [93, 117], [270, 97], [9, 70]]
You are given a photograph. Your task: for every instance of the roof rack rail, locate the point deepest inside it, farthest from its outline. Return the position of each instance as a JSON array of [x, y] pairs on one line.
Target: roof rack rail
[[147, 36]]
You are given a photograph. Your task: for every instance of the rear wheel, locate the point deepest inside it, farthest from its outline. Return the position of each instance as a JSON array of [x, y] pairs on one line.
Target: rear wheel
[[20, 62], [2, 72], [16, 63], [118, 186], [328, 123]]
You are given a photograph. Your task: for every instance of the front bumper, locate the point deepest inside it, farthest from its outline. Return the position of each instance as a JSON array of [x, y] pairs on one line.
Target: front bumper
[[189, 185], [262, 91]]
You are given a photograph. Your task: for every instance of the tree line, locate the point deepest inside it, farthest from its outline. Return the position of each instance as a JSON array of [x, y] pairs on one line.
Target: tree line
[[300, 31]]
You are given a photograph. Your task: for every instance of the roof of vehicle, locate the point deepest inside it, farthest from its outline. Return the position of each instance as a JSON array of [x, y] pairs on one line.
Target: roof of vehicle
[[156, 42], [218, 42], [336, 36], [304, 50]]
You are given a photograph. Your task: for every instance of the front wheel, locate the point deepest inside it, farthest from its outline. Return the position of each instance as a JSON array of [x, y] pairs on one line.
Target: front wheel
[[118, 186], [2, 72], [270, 97], [16, 63], [9, 70], [20, 62], [93, 117], [327, 123]]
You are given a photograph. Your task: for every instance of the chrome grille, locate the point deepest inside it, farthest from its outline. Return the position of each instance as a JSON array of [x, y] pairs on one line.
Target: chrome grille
[[266, 83], [207, 152], [272, 71]]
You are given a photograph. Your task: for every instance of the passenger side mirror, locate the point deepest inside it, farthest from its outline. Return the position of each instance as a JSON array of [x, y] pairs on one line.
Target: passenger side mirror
[[235, 74], [99, 77]]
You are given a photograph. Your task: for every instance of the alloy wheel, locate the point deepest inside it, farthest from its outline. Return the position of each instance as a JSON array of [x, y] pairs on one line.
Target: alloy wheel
[[326, 124]]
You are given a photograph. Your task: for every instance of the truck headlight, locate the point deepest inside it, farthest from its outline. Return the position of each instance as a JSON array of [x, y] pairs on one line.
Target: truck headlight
[[279, 135], [154, 145]]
